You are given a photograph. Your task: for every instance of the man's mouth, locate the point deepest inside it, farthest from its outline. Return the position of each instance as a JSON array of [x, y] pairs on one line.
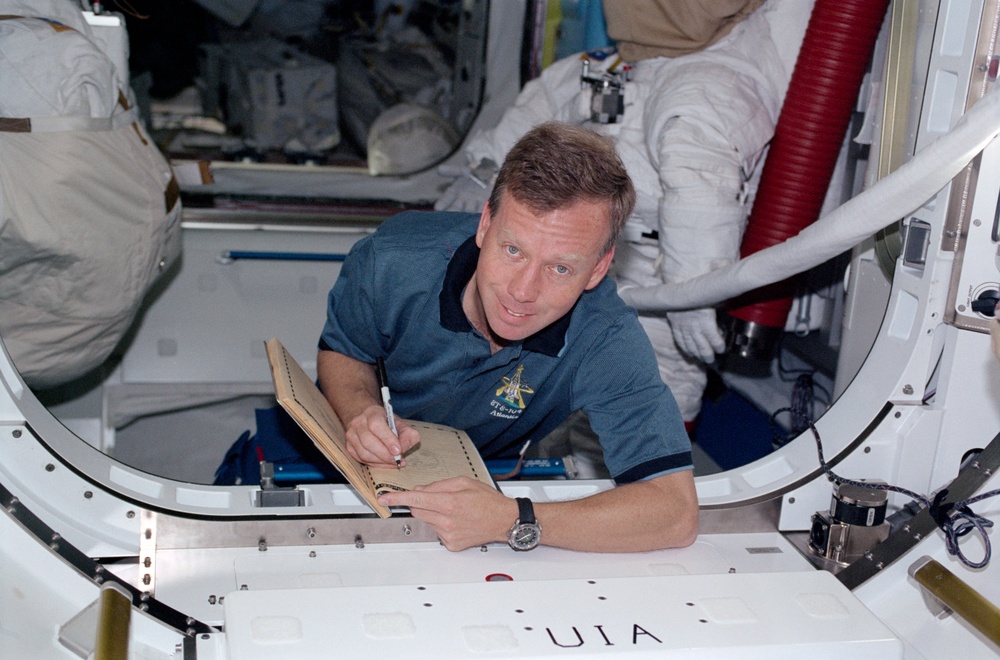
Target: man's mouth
[[511, 312]]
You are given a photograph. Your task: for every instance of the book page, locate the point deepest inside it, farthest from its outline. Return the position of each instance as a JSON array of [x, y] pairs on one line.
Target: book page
[[443, 452]]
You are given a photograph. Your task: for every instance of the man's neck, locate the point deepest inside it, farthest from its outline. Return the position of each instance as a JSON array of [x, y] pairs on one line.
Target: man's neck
[[472, 305]]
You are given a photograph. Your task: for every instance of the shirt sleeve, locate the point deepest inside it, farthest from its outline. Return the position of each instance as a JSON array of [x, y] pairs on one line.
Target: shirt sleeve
[[351, 327]]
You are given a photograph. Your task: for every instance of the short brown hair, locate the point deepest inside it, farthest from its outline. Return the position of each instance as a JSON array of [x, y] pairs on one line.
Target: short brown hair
[[555, 165]]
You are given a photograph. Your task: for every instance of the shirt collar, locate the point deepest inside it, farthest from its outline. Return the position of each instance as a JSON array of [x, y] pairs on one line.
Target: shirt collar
[[548, 341]]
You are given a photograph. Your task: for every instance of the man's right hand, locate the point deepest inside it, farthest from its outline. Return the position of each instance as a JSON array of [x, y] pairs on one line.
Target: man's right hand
[[372, 442]]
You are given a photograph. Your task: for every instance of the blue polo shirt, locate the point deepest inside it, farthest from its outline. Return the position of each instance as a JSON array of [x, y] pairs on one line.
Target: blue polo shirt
[[399, 296]]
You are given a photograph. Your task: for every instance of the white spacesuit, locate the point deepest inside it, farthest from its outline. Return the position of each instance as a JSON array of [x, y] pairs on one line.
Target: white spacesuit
[[692, 132]]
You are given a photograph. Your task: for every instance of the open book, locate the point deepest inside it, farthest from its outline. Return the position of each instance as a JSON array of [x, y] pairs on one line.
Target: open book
[[443, 452]]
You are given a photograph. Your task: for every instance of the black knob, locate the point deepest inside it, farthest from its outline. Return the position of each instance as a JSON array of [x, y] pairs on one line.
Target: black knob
[[986, 303]]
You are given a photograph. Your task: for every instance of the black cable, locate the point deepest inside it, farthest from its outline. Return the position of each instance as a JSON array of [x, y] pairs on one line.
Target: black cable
[[802, 407], [955, 519], [802, 410]]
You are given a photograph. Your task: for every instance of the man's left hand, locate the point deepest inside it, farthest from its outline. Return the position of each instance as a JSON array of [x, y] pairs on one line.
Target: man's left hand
[[462, 511]]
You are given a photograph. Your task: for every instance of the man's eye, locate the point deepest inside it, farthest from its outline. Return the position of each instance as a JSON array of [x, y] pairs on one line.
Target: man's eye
[[561, 270], [511, 250]]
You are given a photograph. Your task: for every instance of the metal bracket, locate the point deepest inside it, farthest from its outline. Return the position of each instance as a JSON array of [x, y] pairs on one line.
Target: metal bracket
[[147, 552]]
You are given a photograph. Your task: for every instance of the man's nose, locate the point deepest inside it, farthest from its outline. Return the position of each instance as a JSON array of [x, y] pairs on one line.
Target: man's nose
[[523, 285]]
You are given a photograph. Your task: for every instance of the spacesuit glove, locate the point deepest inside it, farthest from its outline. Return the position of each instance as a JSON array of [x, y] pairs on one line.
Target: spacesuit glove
[[471, 189], [697, 333], [465, 194]]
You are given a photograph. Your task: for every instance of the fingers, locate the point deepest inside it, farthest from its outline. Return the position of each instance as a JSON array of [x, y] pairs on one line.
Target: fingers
[[372, 442], [446, 200], [408, 437], [697, 334], [709, 343], [462, 512], [465, 194]]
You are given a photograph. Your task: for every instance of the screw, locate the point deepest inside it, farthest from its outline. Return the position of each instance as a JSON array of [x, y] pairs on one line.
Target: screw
[[146, 579], [907, 389], [359, 542], [17, 433], [50, 467], [311, 532], [130, 514], [88, 494], [406, 530]]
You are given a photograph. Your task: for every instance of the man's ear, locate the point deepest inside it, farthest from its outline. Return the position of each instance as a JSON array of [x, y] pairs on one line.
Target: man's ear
[[601, 269], [484, 225]]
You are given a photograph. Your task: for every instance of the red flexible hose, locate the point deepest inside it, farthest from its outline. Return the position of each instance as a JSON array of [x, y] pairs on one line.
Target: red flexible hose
[[822, 92]]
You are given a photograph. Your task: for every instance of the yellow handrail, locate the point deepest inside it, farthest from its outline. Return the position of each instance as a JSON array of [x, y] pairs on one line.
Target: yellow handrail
[[959, 597], [113, 618]]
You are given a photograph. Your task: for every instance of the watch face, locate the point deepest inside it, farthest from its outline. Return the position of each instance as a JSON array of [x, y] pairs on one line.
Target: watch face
[[525, 536]]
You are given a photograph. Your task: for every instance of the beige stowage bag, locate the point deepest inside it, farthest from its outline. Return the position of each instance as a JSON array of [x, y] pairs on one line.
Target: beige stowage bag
[[89, 208]]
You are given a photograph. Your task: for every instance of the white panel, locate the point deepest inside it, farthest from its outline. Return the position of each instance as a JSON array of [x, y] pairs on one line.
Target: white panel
[[788, 615]]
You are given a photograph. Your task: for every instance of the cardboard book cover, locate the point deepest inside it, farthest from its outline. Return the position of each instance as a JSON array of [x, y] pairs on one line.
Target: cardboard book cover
[[443, 452]]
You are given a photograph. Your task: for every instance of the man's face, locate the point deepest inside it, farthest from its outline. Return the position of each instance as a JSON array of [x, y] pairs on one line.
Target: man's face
[[533, 267]]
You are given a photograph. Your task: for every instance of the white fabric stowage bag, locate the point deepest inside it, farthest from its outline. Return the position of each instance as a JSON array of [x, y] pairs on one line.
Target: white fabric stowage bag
[[89, 208]]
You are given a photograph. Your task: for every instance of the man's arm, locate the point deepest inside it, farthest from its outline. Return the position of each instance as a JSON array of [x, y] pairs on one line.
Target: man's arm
[[647, 515], [352, 390]]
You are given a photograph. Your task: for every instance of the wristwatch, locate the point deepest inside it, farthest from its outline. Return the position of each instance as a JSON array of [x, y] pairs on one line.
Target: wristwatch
[[526, 532]]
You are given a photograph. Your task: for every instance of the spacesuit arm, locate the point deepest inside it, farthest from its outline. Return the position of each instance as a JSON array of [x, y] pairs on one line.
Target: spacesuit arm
[[705, 139]]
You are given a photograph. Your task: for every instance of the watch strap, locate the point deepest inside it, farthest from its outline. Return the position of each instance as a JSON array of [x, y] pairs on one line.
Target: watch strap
[[525, 511]]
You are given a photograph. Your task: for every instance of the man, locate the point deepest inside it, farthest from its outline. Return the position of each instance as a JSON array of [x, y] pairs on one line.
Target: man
[[503, 325]]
